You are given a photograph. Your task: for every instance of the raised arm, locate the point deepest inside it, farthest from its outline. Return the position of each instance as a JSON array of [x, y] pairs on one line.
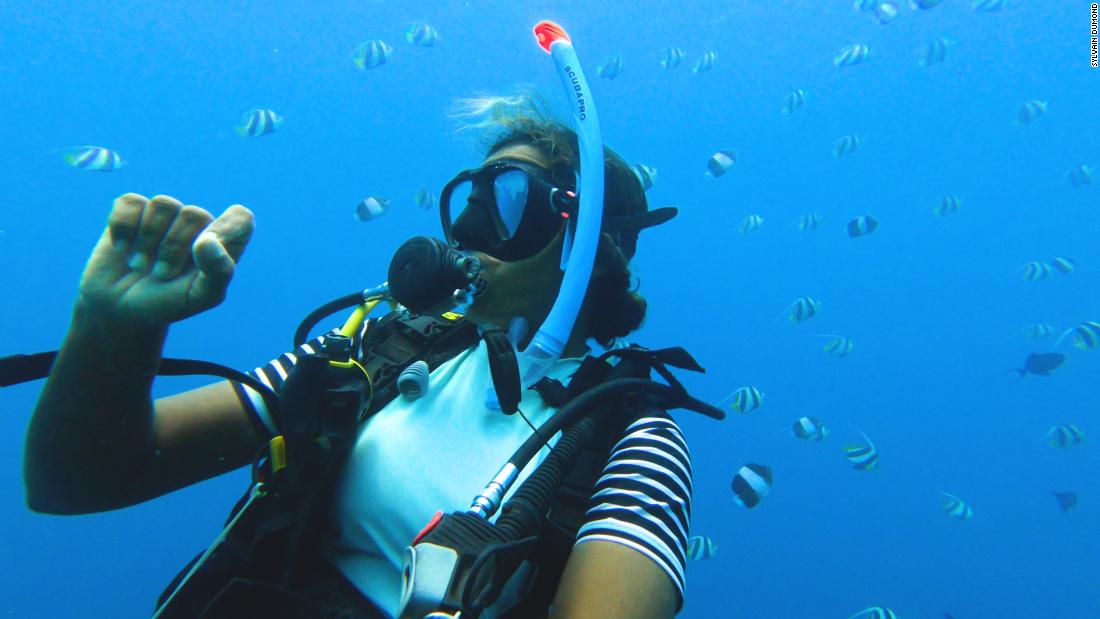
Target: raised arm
[[96, 440]]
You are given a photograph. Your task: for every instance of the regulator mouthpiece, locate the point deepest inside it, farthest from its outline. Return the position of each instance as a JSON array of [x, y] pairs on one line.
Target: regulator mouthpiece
[[429, 277]]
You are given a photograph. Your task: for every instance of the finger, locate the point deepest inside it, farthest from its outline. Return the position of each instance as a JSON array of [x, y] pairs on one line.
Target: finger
[[216, 268], [155, 221], [233, 228], [175, 248], [124, 220]]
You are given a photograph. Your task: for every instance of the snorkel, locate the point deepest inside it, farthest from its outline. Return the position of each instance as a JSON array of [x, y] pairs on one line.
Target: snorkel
[[582, 235]]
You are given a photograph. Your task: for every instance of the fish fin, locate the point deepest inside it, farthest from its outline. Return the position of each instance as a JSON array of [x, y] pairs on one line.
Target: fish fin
[[1022, 372]]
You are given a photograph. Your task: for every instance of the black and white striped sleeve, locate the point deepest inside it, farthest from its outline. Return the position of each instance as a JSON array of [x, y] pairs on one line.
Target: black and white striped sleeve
[[643, 499], [272, 374]]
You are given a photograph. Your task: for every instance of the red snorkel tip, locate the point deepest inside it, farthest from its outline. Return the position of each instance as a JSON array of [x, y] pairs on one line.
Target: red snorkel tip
[[547, 32]]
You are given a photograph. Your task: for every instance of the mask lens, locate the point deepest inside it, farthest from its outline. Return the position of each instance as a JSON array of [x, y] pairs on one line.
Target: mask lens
[[457, 205], [510, 192]]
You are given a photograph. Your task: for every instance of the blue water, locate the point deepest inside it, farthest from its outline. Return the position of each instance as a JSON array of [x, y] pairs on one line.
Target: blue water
[[931, 303]]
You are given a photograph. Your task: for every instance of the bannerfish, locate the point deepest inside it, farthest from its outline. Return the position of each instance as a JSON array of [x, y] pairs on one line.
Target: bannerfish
[[1064, 436], [371, 54], [671, 57], [1064, 265], [862, 457], [720, 162], [645, 174], [705, 62], [745, 399], [1035, 270], [1038, 331], [1086, 335], [424, 198], [803, 309], [862, 226], [935, 51], [93, 158], [259, 122], [611, 67], [1040, 364], [421, 34], [947, 205], [701, 548], [809, 429], [371, 208], [851, 55], [885, 12], [1080, 176], [956, 507], [809, 221], [838, 346], [1067, 499], [846, 145], [1030, 112], [750, 223], [794, 101], [875, 612], [751, 484]]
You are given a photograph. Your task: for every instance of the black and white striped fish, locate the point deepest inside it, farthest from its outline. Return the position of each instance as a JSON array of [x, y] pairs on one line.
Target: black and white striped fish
[[424, 198], [794, 101], [705, 62], [956, 507], [750, 223], [1030, 111], [671, 57], [875, 612], [947, 205], [862, 226], [838, 345], [611, 67], [371, 54], [809, 221], [421, 34], [1064, 436], [751, 484], [1086, 335], [701, 548], [935, 51], [720, 162], [846, 145], [94, 158], [1038, 331], [1035, 270], [259, 122], [851, 55], [862, 457], [809, 429], [1064, 265], [1080, 176], [745, 399], [803, 309]]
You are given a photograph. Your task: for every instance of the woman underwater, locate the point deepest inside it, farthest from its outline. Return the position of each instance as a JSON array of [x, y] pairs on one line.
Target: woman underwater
[[97, 441]]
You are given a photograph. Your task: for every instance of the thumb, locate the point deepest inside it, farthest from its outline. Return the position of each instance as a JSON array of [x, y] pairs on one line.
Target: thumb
[[216, 268]]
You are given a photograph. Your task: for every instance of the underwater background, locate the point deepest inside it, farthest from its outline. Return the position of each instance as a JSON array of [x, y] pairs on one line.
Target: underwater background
[[933, 304]]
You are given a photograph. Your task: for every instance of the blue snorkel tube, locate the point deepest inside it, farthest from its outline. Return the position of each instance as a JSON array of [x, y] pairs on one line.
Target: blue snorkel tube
[[582, 237]]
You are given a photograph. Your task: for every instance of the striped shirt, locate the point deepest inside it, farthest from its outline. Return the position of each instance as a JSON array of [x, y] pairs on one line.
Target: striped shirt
[[642, 500]]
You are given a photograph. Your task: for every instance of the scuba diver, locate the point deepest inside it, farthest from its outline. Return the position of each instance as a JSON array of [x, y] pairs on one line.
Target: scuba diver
[[97, 440]]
